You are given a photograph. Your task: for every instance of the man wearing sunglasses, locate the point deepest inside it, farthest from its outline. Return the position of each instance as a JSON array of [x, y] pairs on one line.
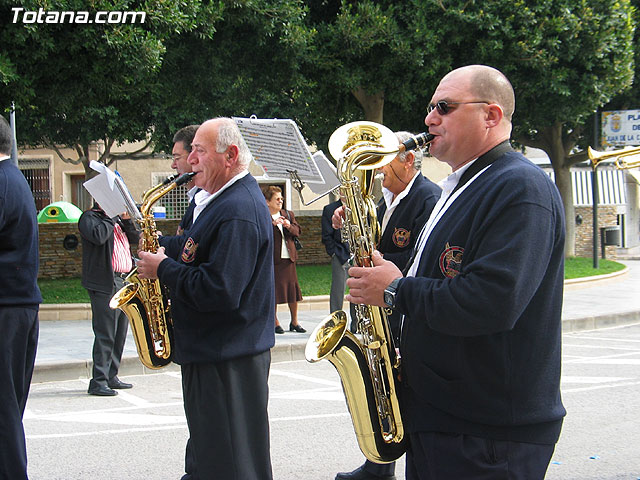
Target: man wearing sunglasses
[[482, 297]]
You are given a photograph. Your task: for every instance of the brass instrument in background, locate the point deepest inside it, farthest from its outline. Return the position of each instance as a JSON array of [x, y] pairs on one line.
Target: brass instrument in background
[[143, 300], [619, 155], [366, 367]]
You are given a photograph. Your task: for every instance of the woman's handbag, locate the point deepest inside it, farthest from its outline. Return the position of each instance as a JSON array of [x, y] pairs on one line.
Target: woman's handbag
[[296, 242]]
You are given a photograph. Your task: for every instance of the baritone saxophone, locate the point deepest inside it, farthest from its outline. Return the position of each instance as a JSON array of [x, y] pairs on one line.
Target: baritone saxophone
[[145, 301], [367, 366]]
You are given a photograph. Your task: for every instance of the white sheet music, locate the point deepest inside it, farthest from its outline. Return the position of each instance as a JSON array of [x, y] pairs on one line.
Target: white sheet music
[[278, 147], [110, 191]]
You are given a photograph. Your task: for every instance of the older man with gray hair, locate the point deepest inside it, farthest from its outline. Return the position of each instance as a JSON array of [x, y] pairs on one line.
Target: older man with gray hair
[[220, 275]]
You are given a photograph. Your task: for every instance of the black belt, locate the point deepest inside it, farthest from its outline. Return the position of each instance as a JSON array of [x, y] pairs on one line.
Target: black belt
[[120, 274]]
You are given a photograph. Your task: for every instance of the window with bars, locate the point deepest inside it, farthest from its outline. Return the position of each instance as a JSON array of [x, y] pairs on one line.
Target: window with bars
[[36, 171], [176, 201]]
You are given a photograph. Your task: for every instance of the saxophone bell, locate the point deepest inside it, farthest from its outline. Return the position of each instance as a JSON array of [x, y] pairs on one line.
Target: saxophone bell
[[144, 301]]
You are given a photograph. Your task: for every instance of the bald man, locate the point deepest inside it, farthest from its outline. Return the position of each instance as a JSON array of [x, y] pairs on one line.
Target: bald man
[[482, 298]]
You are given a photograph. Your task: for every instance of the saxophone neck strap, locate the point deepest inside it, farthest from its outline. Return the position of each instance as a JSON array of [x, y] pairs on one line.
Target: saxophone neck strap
[[483, 161]]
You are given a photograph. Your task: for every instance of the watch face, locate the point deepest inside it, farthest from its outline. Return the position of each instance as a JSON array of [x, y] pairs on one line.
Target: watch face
[[388, 298]]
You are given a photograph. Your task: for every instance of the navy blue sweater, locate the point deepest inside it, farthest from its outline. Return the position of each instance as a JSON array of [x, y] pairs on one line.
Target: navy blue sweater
[[18, 239], [482, 336], [220, 275], [403, 228]]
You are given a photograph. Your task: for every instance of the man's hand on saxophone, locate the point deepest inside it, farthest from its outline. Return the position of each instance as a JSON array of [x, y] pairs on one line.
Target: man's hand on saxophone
[[149, 262], [338, 218], [367, 284]]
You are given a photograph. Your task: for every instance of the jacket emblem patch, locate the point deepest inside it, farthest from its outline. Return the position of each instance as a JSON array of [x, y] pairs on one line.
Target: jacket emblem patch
[[189, 251], [401, 237], [451, 261]]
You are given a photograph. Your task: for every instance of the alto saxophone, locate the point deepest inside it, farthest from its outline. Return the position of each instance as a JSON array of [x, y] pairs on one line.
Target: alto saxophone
[[144, 301], [366, 367]]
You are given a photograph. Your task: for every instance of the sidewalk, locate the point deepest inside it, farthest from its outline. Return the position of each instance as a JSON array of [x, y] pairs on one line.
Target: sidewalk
[[66, 338]]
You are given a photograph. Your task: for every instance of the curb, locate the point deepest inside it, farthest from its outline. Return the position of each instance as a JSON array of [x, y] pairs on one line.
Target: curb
[[131, 365], [82, 311], [287, 348]]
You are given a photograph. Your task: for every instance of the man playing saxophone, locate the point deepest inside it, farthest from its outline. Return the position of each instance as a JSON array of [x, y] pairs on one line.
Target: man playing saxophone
[[220, 277], [408, 198], [482, 299]]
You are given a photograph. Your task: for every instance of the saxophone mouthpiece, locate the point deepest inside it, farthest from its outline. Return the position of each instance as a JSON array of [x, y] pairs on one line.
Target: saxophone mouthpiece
[[169, 179], [184, 178], [417, 141]]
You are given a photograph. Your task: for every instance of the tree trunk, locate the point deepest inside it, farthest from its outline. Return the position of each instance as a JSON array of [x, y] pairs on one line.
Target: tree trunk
[[561, 168], [372, 104], [563, 182]]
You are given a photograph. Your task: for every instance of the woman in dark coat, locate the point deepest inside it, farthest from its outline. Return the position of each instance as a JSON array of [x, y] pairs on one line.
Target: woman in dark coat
[[285, 256]]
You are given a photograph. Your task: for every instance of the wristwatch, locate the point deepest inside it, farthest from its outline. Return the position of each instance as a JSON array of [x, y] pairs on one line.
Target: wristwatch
[[390, 293]]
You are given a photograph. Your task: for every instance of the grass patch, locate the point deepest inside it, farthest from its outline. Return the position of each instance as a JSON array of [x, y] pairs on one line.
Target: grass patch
[[578, 267], [63, 290], [313, 279]]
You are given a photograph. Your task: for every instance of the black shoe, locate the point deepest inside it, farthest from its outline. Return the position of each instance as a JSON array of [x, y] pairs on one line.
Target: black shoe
[[279, 329], [296, 328], [101, 391], [361, 474], [115, 382]]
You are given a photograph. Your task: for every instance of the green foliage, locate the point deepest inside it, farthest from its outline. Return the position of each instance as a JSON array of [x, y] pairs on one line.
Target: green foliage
[[78, 83], [251, 65]]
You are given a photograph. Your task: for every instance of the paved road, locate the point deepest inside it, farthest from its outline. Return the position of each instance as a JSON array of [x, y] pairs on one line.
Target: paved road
[[140, 434]]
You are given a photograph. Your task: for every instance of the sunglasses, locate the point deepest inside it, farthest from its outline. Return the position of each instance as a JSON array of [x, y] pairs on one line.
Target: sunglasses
[[443, 107]]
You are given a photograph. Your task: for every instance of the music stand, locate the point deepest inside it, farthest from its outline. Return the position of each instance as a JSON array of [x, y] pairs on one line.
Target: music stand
[[280, 150]]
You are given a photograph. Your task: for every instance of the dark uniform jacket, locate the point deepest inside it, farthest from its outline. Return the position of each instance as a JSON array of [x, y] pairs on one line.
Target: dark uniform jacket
[[332, 238], [18, 239], [399, 237], [482, 335], [220, 275]]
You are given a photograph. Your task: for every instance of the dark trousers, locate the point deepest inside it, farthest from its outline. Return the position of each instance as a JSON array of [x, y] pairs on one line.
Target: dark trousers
[[18, 341], [110, 331], [443, 456], [226, 408]]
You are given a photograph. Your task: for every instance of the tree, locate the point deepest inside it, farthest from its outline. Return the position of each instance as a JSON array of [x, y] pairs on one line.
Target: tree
[[79, 83], [565, 58], [250, 66], [370, 62]]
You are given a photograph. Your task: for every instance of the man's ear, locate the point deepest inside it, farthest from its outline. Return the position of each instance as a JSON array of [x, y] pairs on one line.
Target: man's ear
[[494, 115], [408, 160], [232, 154]]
